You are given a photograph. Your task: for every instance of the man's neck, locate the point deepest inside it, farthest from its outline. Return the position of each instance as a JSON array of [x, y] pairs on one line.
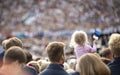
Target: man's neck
[[57, 63], [11, 69]]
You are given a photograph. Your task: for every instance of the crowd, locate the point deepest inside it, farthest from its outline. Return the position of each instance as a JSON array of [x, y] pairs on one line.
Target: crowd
[[84, 61], [35, 15], [38, 22], [28, 29]]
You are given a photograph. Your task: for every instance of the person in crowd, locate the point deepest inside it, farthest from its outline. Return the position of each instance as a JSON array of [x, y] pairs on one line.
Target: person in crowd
[[28, 56], [14, 41], [55, 51], [35, 65], [79, 41], [2, 52], [90, 64], [106, 55], [43, 64], [13, 61], [30, 70], [114, 45]]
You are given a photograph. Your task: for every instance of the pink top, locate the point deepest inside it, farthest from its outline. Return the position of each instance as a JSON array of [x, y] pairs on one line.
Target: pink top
[[80, 50]]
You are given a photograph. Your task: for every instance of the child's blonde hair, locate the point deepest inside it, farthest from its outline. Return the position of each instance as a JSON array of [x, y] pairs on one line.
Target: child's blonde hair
[[78, 38]]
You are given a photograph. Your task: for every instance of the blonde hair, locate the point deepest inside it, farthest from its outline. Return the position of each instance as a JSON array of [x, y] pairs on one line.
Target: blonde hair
[[35, 65], [78, 38], [43, 64], [4, 43], [114, 44], [90, 64], [66, 66]]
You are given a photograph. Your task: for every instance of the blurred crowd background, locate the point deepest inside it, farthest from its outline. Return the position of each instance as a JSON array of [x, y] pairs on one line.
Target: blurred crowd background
[[38, 22]]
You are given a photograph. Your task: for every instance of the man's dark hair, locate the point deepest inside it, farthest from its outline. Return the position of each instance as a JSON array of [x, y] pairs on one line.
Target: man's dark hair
[[15, 54], [55, 50]]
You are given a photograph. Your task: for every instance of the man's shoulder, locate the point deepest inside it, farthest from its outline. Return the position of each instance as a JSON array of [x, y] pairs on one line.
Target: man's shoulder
[[53, 72], [75, 73]]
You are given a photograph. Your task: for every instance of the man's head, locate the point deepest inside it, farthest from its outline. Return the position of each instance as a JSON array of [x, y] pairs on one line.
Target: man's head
[[106, 53], [55, 51], [114, 44], [12, 42], [14, 54]]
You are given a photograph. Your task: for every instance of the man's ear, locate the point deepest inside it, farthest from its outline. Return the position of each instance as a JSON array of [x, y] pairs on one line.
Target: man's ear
[[62, 59]]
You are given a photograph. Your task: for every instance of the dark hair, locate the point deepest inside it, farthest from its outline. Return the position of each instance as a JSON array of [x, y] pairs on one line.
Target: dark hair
[[15, 54], [28, 56], [106, 52], [55, 50]]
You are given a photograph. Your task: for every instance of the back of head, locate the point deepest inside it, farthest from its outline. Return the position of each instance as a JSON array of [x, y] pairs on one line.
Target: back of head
[[14, 54], [91, 64], [4, 43], [79, 38], [114, 44], [106, 52], [55, 50], [13, 42]]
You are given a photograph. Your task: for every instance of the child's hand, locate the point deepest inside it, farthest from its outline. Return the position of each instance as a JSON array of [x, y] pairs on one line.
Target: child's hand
[[95, 42]]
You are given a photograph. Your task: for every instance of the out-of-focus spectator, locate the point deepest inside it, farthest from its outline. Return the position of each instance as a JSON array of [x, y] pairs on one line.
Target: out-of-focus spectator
[[90, 64], [106, 55], [114, 44], [35, 65], [79, 41], [13, 61], [43, 64], [29, 70], [28, 56], [9, 43], [55, 51]]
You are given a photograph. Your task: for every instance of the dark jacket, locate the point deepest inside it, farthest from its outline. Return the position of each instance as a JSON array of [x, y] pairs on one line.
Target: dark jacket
[[75, 73], [54, 69], [115, 66]]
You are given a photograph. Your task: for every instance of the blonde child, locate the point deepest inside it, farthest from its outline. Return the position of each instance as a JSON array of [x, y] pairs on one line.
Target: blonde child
[[79, 41]]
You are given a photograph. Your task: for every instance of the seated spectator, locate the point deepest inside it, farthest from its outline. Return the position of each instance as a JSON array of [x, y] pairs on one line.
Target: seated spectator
[[114, 45], [90, 64], [55, 51], [13, 61], [106, 55]]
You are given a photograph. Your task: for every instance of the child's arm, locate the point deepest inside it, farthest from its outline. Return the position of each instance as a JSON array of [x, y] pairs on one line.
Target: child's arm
[[94, 48]]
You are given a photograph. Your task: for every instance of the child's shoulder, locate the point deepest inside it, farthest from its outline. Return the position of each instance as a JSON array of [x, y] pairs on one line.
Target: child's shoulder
[[87, 45]]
